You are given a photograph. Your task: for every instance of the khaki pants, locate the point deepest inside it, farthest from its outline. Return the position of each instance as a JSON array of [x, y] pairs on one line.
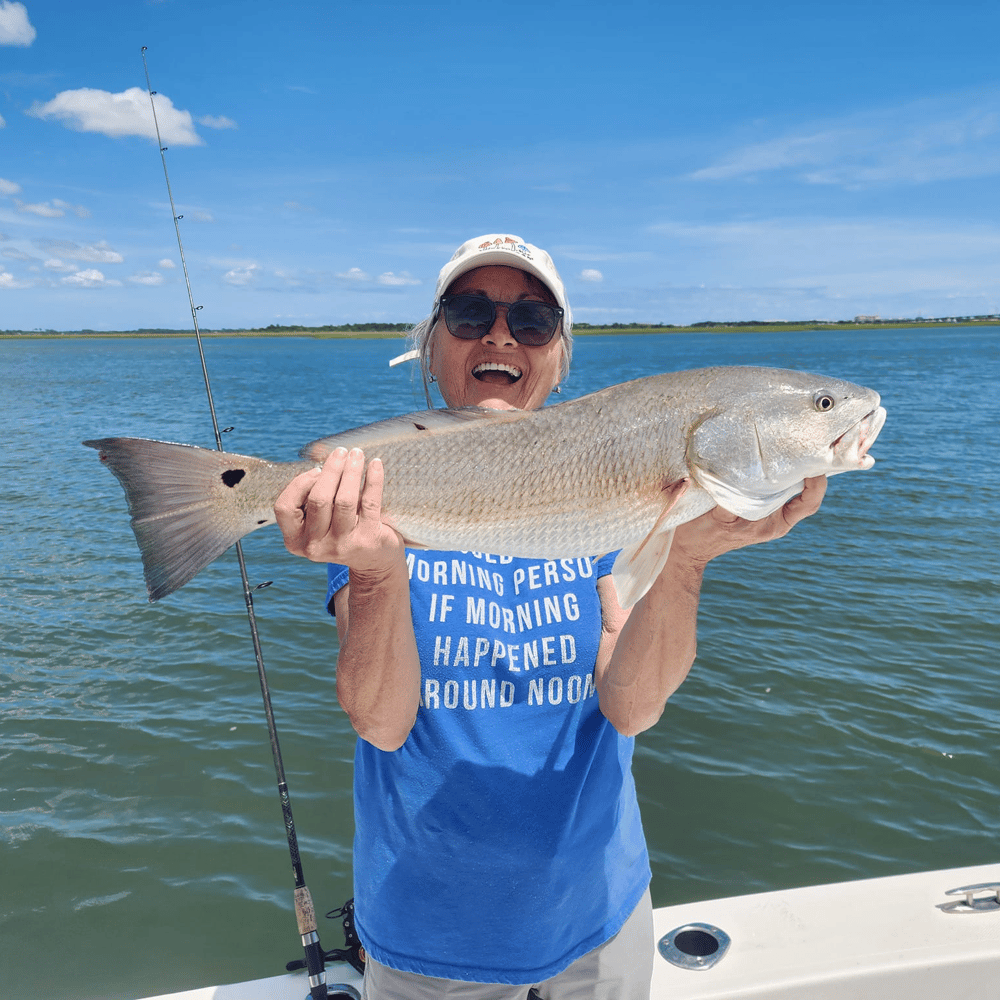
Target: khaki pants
[[619, 969]]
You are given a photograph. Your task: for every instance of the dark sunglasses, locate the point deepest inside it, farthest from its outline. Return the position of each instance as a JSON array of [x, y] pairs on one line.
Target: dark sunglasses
[[470, 317]]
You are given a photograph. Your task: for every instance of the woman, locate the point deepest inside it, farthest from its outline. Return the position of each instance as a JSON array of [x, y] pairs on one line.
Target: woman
[[498, 838]]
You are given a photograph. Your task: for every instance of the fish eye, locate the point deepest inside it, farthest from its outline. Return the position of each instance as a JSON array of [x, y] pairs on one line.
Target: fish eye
[[824, 401]]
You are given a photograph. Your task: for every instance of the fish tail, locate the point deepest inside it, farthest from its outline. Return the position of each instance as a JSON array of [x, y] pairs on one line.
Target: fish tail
[[185, 504]]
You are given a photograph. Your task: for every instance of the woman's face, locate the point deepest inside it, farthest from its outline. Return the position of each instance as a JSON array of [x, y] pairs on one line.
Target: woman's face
[[495, 371]]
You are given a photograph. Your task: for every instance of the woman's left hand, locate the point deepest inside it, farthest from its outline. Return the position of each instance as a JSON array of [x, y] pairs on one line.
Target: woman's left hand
[[718, 531]]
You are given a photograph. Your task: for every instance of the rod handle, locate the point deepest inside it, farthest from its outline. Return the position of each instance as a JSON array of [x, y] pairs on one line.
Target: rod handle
[[305, 913]]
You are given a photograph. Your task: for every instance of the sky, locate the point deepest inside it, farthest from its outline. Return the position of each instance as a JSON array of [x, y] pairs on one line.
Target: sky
[[682, 162]]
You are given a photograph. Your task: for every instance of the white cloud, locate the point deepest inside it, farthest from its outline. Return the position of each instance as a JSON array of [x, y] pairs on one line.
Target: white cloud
[[3, 122], [355, 274], [290, 279], [77, 210], [15, 28], [115, 115], [55, 264], [591, 274], [7, 280], [405, 278], [241, 275], [44, 209], [167, 264], [146, 278], [216, 121], [52, 209], [954, 136], [96, 253], [9, 187], [90, 278], [357, 278]]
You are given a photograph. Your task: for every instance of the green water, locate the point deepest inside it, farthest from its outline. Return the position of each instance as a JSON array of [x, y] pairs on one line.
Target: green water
[[840, 722]]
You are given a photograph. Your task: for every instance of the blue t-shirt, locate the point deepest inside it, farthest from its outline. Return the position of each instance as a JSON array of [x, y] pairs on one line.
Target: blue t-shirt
[[502, 841]]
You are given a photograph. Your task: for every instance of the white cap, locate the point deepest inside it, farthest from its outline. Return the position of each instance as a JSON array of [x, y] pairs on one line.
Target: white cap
[[507, 251]]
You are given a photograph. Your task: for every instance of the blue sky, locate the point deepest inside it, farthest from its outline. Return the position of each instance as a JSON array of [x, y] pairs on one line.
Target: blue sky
[[681, 161]]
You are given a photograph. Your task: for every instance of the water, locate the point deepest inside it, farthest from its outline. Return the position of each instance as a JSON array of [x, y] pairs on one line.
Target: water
[[840, 722]]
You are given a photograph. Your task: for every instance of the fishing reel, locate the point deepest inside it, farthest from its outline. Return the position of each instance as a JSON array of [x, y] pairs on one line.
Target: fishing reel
[[352, 952]]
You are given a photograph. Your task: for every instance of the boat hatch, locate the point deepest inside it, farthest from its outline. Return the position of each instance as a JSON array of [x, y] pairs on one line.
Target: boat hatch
[[694, 946], [339, 991]]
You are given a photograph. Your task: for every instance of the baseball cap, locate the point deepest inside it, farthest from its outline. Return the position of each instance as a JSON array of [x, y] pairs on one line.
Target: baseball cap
[[508, 251]]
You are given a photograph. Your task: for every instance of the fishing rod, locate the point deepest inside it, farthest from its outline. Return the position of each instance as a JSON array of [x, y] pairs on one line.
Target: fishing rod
[[305, 913]]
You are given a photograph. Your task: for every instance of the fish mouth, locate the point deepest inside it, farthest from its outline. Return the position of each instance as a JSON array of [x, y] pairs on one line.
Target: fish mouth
[[851, 448], [497, 373]]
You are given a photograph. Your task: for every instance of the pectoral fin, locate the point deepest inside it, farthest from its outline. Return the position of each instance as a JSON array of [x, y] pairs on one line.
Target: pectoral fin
[[752, 507], [728, 460], [637, 566]]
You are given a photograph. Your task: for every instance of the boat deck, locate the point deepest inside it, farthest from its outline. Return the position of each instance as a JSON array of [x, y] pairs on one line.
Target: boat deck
[[906, 937]]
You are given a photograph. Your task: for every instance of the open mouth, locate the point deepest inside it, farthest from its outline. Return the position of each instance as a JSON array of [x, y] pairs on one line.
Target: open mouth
[[853, 445], [497, 373]]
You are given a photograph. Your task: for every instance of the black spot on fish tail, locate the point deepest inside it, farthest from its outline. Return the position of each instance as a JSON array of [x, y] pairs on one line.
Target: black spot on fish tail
[[232, 476]]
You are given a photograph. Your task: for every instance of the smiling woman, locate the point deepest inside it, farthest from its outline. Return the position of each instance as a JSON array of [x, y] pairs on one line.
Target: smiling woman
[[494, 369], [493, 778], [498, 270]]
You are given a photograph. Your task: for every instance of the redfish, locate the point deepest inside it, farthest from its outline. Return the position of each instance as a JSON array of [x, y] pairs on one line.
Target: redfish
[[616, 469]]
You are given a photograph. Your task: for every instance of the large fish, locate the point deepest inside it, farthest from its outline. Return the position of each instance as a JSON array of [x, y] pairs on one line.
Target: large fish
[[617, 469]]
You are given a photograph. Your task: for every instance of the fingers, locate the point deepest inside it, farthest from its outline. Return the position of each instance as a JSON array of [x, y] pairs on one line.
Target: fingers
[[806, 503], [722, 516], [289, 509], [719, 531], [334, 514], [371, 497], [318, 502], [341, 494]]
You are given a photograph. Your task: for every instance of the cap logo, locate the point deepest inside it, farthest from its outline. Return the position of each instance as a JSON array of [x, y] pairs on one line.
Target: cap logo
[[506, 243]]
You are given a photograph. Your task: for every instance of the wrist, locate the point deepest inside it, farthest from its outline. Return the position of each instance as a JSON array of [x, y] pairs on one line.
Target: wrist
[[685, 568], [378, 577]]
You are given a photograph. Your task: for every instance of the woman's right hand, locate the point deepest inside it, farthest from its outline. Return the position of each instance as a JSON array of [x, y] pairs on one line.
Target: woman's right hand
[[334, 514]]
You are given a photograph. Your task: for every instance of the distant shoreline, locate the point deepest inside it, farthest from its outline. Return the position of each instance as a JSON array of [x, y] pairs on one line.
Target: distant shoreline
[[586, 331]]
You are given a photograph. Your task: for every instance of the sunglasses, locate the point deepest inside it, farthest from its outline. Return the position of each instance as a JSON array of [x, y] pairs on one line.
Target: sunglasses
[[470, 317]]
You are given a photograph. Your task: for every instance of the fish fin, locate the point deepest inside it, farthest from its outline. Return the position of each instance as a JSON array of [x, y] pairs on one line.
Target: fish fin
[[751, 507], [637, 566], [183, 503], [408, 426]]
